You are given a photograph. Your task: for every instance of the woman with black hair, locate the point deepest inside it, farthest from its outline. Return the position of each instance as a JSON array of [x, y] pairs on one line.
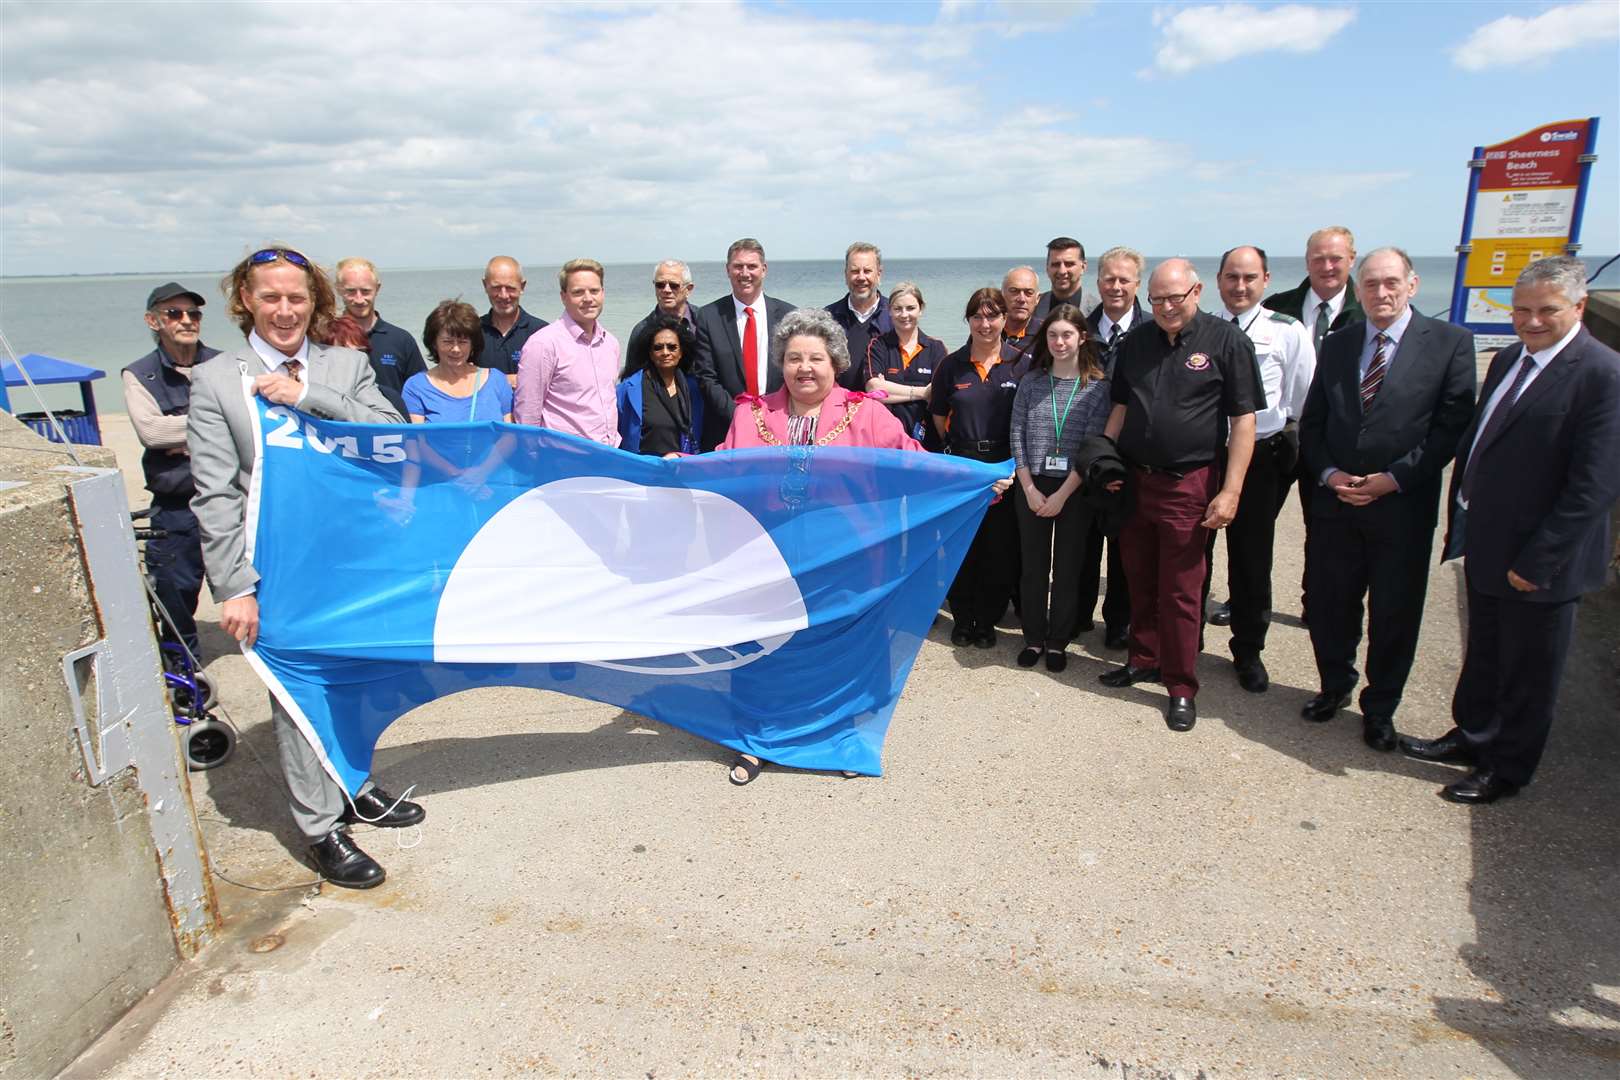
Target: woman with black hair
[[660, 405]]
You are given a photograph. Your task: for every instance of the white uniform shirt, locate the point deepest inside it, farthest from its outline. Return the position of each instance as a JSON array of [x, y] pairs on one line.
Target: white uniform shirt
[[1282, 346]]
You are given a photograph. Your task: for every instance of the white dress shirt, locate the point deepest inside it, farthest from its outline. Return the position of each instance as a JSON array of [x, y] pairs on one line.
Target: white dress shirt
[[1540, 360], [762, 334], [1282, 346], [1335, 305], [1105, 325], [275, 361]]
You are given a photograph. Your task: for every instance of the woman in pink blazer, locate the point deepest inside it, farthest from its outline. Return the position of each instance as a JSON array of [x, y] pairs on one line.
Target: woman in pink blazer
[[811, 409]]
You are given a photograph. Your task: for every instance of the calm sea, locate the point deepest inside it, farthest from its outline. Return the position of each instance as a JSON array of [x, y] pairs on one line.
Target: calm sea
[[97, 320]]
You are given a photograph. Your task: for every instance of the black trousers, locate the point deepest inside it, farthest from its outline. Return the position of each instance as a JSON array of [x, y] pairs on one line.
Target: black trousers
[[1050, 550], [1509, 682], [1378, 554], [1116, 608], [174, 563], [1249, 544], [978, 597]]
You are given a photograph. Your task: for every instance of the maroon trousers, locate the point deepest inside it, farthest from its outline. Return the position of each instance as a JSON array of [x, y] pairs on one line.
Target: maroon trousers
[[1162, 546]]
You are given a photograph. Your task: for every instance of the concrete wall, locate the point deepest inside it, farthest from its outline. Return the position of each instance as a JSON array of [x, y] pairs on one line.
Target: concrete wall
[[88, 914]]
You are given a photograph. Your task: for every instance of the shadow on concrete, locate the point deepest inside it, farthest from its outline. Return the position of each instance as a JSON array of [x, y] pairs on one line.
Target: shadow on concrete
[[1545, 894]]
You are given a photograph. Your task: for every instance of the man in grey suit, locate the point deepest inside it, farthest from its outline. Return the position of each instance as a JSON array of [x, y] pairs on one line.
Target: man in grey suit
[[734, 340], [275, 295]]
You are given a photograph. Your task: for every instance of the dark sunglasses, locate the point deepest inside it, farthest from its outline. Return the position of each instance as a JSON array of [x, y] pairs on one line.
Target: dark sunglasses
[[175, 314], [270, 255], [675, 286]]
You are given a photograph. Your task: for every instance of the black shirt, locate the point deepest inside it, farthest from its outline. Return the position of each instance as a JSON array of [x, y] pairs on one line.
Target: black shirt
[[501, 351], [883, 361], [394, 358], [1178, 396], [663, 418], [980, 410]]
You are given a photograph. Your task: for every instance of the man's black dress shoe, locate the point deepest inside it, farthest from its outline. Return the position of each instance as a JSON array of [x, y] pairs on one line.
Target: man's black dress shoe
[[1181, 715], [1252, 675], [1449, 749], [961, 634], [1220, 615], [1323, 706], [372, 808], [1378, 732], [1117, 639], [985, 638], [341, 862], [1128, 676], [1479, 787], [1056, 661], [1029, 656]]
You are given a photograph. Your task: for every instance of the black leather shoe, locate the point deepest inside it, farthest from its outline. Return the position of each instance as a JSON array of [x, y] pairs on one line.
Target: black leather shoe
[[985, 639], [372, 808], [1117, 639], [1129, 676], [961, 634], [1323, 707], [341, 862], [1056, 660], [1378, 732], [1449, 749], [1220, 615], [1252, 675], [1478, 788], [1181, 715], [1029, 656]]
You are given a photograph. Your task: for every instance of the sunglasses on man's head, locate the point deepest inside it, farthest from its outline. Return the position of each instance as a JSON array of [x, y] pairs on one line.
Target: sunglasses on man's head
[[270, 255]]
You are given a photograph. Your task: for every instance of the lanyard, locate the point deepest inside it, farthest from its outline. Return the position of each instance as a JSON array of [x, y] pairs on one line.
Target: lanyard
[[1056, 421], [472, 406]]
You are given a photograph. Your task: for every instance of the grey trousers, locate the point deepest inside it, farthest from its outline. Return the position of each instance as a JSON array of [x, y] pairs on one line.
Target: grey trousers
[[314, 797]]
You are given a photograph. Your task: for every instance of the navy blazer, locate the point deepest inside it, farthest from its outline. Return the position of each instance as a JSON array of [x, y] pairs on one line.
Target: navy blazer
[[718, 365], [628, 395], [1546, 478], [1410, 432]]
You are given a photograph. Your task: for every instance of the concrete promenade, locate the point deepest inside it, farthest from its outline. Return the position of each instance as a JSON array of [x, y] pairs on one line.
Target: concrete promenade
[[1046, 882]]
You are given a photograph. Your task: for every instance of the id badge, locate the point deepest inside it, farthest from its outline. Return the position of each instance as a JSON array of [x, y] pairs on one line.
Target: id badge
[[1056, 463], [688, 444], [918, 430]]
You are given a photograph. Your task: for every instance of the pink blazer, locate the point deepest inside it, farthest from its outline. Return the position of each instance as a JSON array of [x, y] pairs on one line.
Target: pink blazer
[[872, 425]]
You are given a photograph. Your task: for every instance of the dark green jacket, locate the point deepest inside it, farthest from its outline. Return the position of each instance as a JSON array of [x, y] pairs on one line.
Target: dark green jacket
[[1292, 303]]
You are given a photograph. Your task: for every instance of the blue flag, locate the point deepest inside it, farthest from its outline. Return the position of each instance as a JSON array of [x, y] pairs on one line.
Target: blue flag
[[770, 600]]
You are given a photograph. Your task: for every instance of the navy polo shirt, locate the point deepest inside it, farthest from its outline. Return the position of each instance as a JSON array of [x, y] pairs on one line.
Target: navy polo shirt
[[394, 358], [883, 361], [980, 409], [501, 351]]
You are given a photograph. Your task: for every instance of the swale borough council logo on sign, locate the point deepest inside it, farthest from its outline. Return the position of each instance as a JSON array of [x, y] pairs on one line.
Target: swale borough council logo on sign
[[1197, 361]]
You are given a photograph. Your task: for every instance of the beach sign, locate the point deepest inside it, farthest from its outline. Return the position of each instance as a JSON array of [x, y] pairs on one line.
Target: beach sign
[[1525, 201]]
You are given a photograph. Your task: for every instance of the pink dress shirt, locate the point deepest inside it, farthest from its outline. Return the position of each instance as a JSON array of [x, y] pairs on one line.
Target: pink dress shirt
[[872, 425], [565, 381]]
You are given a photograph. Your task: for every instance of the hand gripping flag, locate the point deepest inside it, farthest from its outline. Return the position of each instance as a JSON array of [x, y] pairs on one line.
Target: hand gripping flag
[[771, 600]]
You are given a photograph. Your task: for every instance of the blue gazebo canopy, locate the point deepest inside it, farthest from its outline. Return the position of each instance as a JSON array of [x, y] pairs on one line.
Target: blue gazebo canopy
[[48, 369]]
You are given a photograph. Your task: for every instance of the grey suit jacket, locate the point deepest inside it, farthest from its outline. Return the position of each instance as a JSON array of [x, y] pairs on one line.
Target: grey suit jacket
[[220, 439]]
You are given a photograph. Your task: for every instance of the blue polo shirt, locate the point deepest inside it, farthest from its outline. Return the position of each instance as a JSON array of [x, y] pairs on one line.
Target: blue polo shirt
[[501, 351], [394, 358]]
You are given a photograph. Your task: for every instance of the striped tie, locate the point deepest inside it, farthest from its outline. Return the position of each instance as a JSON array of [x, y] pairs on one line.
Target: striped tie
[[1374, 378]]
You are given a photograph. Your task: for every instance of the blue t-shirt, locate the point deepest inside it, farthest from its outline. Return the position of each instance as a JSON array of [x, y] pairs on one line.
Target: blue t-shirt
[[493, 400]]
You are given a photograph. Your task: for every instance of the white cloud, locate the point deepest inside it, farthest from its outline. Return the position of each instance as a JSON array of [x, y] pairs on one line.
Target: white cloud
[[1213, 34], [413, 140], [1514, 40]]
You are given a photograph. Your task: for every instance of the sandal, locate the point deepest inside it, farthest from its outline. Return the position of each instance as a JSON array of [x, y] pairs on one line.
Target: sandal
[[750, 769]]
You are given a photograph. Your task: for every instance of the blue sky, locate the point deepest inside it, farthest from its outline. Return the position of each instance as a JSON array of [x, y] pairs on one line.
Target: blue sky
[[152, 137]]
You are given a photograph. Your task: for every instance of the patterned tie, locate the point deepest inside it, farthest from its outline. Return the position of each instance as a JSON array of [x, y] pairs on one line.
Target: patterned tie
[[1113, 337], [1374, 378], [750, 344], [1497, 418], [293, 368], [1322, 322]]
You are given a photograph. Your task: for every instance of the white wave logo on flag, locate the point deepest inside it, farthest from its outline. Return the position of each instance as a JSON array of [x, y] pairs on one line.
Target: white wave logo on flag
[[602, 571]]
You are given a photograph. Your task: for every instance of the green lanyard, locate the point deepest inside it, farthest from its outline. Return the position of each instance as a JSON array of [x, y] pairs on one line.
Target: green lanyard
[[1058, 422]]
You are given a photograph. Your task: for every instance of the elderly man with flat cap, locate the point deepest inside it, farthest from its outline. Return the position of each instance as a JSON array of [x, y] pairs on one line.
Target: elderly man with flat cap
[[157, 393]]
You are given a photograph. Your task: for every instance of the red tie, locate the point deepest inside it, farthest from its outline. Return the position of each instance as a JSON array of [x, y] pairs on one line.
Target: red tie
[[750, 344]]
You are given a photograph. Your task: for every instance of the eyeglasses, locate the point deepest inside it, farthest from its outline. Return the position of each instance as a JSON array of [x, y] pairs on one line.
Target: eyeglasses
[[672, 286], [1171, 301], [270, 255], [175, 314]]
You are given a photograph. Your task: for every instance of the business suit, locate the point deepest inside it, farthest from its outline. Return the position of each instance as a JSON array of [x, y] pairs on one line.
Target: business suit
[[1379, 551], [1087, 302], [719, 362], [224, 452], [1544, 480], [1116, 609]]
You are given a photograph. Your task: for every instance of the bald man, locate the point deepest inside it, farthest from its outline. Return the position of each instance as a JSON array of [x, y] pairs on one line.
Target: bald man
[[392, 350], [507, 327], [1021, 289]]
